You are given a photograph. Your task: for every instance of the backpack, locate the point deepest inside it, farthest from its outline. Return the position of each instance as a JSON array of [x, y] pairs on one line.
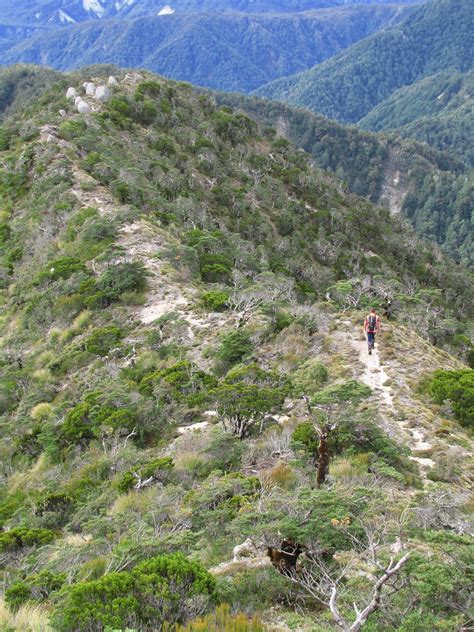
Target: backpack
[[372, 323]]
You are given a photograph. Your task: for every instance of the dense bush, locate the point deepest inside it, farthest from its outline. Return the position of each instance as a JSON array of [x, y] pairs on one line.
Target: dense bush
[[166, 589], [215, 300], [103, 339], [305, 436], [220, 498], [115, 281], [61, 269], [180, 382], [243, 407], [57, 503], [309, 378], [350, 391], [154, 469], [21, 537], [90, 419], [215, 268], [234, 347], [34, 587], [457, 387]]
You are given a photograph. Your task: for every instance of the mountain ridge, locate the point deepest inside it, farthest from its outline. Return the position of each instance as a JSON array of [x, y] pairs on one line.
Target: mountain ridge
[[63, 13], [225, 51], [438, 110], [182, 295], [373, 69]]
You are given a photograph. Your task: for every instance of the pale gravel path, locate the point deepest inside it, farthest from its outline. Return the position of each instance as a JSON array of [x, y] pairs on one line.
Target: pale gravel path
[[375, 376]]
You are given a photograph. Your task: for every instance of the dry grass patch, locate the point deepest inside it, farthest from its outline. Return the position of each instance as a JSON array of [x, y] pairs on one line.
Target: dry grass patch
[[347, 469], [135, 501], [29, 480], [281, 475], [27, 619]]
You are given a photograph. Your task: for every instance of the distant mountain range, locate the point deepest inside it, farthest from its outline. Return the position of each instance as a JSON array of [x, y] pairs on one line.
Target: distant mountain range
[[434, 37], [235, 52], [63, 12]]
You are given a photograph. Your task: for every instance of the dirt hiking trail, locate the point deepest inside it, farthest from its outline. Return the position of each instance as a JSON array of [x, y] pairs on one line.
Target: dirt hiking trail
[[399, 360]]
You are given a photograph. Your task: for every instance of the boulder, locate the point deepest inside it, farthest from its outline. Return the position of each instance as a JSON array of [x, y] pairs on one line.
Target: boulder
[[84, 108], [112, 81], [71, 93], [77, 100], [102, 93], [90, 89]]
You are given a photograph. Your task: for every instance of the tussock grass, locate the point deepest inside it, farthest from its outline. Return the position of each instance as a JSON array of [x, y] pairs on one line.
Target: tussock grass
[[25, 480], [136, 501], [347, 469], [28, 618]]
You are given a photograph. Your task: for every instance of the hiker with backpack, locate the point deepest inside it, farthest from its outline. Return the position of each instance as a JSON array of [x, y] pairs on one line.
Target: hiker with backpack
[[371, 327]]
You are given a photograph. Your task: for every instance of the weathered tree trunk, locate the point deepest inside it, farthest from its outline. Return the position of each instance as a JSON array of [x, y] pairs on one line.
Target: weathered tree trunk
[[323, 457]]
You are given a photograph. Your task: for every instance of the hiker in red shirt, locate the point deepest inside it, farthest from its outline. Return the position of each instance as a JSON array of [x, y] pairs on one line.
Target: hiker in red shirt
[[371, 327]]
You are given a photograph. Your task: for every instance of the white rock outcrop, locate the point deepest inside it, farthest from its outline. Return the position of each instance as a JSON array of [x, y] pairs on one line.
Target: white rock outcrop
[[90, 89], [102, 93], [71, 93], [246, 549], [112, 81], [84, 108]]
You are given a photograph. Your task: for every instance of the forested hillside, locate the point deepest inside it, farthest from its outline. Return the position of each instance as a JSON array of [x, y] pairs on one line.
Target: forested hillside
[[438, 110], [433, 189], [192, 432], [228, 52], [435, 37]]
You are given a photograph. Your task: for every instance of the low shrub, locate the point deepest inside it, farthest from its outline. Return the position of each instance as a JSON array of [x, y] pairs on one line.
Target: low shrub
[[215, 300], [60, 269], [181, 382], [166, 589], [21, 537], [103, 339], [234, 347], [350, 391], [155, 469], [457, 387], [33, 588]]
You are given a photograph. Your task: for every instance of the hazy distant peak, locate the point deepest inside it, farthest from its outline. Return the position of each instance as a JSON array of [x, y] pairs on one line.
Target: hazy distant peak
[[166, 10]]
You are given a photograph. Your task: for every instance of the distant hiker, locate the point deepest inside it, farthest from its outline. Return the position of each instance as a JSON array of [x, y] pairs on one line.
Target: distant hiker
[[371, 327]]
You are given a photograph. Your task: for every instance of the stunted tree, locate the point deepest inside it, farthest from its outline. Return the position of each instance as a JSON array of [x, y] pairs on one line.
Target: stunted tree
[[244, 406], [325, 582], [246, 397], [266, 288], [324, 419], [326, 410]]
